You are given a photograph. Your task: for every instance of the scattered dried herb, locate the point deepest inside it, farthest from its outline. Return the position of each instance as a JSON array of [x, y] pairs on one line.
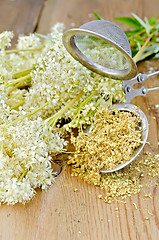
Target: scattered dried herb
[[93, 152], [114, 137]]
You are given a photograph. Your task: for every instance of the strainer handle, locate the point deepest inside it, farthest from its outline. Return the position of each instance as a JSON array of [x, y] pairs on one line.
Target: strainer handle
[[146, 90], [131, 92], [138, 79], [152, 74], [139, 92]]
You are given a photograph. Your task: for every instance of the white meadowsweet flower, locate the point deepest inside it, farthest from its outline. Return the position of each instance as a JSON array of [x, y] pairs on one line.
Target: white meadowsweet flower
[[53, 80], [58, 78], [28, 42], [25, 161], [10, 61], [5, 39]]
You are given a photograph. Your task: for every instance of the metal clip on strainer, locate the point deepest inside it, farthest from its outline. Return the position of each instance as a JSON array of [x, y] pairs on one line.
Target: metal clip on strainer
[[98, 37]]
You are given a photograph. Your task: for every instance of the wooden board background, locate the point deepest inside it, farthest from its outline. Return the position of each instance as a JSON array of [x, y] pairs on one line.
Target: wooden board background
[[60, 213]]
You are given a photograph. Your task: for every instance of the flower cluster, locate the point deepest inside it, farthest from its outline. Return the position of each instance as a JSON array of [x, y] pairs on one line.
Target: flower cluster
[[5, 39], [40, 83], [58, 78], [25, 164]]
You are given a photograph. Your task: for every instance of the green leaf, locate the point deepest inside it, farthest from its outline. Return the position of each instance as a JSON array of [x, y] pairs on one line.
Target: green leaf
[[148, 26], [152, 21], [97, 16], [129, 21], [45, 36], [157, 26], [156, 56], [156, 47], [139, 40], [134, 52], [130, 33], [143, 24], [140, 33], [154, 38], [150, 51]]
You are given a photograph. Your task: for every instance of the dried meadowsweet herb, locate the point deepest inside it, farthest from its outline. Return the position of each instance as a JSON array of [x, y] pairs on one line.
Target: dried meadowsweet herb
[[113, 138], [40, 77], [93, 150]]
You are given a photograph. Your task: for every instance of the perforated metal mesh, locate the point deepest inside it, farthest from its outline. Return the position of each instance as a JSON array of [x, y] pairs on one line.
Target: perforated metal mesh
[[111, 31], [101, 52], [119, 67]]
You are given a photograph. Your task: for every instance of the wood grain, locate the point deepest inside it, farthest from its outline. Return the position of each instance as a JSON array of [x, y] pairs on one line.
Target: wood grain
[[80, 11], [19, 16], [60, 213]]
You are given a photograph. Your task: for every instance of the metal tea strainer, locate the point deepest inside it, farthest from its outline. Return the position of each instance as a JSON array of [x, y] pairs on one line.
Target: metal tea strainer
[[90, 45], [105, 32]]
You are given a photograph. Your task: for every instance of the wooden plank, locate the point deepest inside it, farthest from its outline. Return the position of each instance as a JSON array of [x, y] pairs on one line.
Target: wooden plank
[[80, 11], [60, 213], [148, 102], [19, 16]]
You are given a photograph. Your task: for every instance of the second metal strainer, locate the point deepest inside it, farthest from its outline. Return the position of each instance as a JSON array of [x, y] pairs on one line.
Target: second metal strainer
[[94, 34], [108, 32]]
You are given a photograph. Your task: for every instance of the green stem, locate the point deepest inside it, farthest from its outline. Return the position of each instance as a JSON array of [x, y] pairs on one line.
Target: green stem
[[28, 115], [23, 174], [18, 84], [53, 119], [87, 99], [17, 105], [77, 118], [24, 50], [90, 113], [137, 34], [77, 115], [135, 58], [99, 101], [22, 73], [16, 81], [45, 36]]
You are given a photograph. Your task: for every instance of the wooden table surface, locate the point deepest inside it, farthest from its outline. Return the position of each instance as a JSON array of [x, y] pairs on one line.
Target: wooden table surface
[[60, 213]]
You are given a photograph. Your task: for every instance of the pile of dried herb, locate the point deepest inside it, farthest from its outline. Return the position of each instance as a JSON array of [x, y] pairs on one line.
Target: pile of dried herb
[[114, 137], [40, 84], [111, 142]]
